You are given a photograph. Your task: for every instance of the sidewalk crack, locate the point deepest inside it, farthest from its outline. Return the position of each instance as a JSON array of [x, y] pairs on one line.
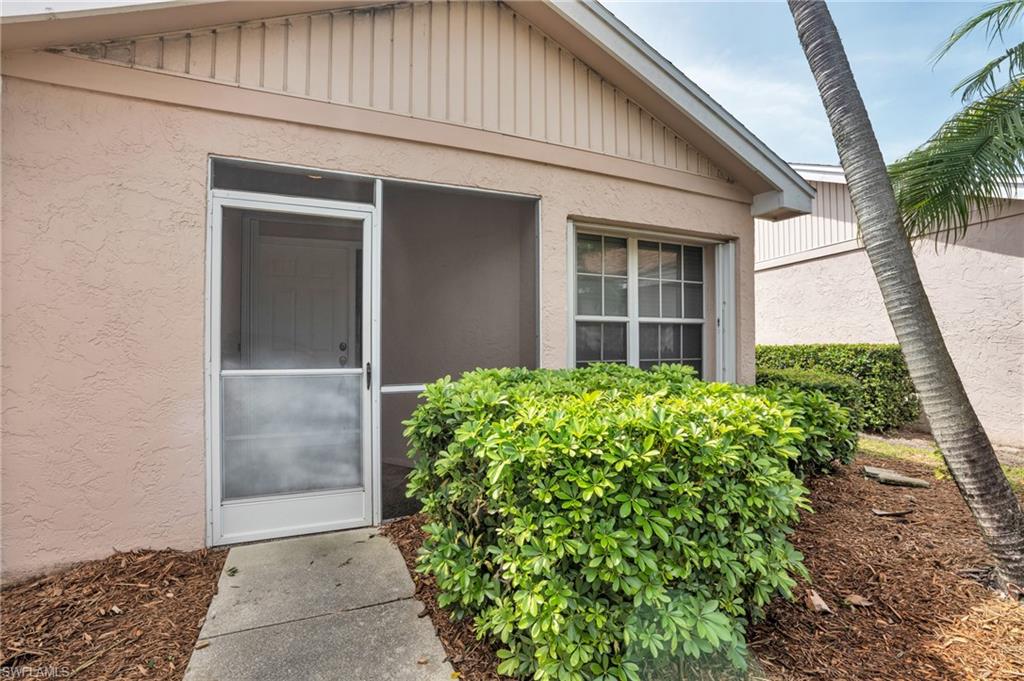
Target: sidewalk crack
[[305, 619]]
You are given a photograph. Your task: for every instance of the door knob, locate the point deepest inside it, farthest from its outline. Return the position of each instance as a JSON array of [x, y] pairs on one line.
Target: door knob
[[342, 360]]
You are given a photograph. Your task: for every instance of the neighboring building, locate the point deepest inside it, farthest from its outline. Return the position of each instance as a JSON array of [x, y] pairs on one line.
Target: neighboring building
[[235, 247], [815, 285]]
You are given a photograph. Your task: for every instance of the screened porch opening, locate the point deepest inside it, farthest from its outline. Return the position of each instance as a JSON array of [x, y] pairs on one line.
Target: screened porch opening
[[459, 291]]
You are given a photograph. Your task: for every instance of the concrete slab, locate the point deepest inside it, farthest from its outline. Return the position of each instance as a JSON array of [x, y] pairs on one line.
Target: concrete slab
[[385, 642], [293, 579], [330, 607]]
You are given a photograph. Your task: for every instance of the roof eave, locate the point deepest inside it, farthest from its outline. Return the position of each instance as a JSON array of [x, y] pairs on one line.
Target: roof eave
[[778, 189], [37, 31], [813, 172]]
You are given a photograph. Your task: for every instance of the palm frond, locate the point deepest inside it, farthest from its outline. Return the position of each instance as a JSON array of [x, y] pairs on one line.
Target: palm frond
[[995, 19], [983, 81], [967, 169]]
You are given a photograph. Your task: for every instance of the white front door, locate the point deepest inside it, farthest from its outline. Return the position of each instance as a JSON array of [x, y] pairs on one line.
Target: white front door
[[290, 395], [304, 297]]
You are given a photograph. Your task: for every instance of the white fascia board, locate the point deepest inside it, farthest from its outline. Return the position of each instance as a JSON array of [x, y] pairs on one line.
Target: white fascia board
[[813, 172], [73, 10], [791, 195], [820, 173]]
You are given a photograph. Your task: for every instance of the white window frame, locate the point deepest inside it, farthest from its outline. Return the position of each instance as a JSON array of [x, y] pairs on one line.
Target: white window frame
[[633, 318]]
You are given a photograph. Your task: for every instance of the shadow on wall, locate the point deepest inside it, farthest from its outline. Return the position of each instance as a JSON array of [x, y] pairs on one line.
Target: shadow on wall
[[1002, 235]]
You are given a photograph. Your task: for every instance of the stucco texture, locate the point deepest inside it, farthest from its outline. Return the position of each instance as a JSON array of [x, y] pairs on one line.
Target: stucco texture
[[103, 281], [976, 288]]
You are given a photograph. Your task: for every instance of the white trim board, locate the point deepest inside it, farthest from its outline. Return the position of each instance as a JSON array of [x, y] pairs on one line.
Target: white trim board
[[725, 312], [374, 367], [402, 388], [812, 254], [813, 172]]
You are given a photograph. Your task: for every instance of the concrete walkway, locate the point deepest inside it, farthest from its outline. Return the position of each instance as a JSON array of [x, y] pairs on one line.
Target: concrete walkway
[[329, 607]]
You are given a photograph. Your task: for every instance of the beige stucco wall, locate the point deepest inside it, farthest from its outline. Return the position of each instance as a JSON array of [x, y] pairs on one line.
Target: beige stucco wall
[[976, 288], [103, 282]]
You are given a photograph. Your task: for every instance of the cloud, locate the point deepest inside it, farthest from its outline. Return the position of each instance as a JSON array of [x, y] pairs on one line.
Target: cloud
[[746, 56], [785, 112]]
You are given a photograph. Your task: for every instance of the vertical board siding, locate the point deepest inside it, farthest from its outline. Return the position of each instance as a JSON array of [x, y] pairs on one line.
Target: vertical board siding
[[489, 70], [831, 221], [274, 57], [419, 91], [476, 64], [474, 104]]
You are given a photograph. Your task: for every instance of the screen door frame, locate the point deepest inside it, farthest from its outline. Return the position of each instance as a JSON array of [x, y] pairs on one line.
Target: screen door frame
[[292, 514]]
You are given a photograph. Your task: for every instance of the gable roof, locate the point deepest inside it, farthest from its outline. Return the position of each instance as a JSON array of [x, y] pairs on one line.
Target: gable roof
[[652, 90]]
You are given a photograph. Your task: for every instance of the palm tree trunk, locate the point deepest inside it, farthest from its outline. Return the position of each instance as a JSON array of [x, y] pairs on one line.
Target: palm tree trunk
[[964, 444]]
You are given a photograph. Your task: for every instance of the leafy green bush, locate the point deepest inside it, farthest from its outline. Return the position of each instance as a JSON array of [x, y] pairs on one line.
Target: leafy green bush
[[601, 520], [889, 398], [828, 429], [843, 390]]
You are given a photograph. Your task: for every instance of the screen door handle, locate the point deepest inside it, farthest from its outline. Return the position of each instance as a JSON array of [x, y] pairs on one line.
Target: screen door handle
[[368, 374]]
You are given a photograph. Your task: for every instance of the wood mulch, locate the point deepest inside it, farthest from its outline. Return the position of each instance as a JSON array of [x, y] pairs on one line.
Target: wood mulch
[[474, 660], [928, 618], [923, 614], [133, 615]]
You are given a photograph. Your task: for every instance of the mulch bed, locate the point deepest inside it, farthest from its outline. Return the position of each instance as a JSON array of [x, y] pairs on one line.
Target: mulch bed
[[474, 660], [133, 615], [927, 618]]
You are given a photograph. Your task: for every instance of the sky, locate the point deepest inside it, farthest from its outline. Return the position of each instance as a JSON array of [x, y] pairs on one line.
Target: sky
[[746, 55]]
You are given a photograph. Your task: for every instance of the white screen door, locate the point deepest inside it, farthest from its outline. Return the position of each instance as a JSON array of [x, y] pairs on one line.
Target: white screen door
[[290, 390]]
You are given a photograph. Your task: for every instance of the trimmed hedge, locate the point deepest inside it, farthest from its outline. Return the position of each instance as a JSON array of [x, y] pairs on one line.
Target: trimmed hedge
[[889, 399], [599, 522], [828, 429], [843, 390]]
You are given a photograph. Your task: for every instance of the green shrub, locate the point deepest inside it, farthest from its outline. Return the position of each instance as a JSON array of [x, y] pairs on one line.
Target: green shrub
[[827, 428], [843, 390], [889, 398], [601, 520]]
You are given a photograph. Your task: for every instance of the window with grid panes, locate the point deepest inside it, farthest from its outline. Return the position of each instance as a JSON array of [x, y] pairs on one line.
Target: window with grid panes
[[667, 321], [601, 299]]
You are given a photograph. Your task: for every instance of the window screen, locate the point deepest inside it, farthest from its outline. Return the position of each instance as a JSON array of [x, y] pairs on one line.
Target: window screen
[[253, 177], [458, 283], [459, 274]]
